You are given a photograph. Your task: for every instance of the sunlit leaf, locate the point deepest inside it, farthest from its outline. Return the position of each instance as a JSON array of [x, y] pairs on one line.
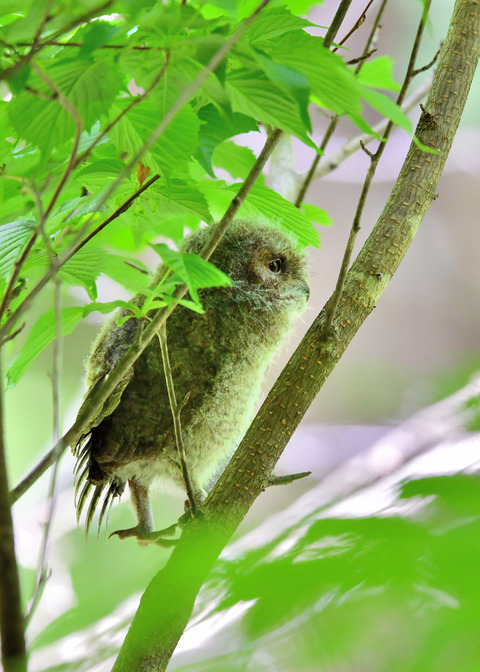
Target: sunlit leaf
[[194, 271]]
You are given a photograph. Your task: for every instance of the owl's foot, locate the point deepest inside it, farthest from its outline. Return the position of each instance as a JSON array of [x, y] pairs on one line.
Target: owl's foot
[[146, 536]]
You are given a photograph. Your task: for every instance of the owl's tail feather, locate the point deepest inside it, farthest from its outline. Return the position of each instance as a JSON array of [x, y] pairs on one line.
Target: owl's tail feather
[[84, 486]]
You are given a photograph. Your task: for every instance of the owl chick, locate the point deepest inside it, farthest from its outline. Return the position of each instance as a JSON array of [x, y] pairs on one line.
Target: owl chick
[[218, 358]]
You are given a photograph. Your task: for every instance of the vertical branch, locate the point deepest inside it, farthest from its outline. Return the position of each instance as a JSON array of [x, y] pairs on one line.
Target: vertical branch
[[176, 411], [11, 618], [336, 23], [42, 571]]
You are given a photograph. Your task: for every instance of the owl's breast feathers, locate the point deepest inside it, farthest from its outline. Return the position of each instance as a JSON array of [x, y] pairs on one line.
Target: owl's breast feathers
[[218, 358]]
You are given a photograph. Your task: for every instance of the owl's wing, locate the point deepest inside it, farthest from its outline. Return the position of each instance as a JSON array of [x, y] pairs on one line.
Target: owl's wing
[[107, 351], [109, 348]]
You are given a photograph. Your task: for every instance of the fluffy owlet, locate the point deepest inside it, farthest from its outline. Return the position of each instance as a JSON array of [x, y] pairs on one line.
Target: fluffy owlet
[[218, 358]]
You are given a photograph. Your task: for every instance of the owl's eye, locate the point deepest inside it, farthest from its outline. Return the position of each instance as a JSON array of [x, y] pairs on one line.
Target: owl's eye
[[275, 266]]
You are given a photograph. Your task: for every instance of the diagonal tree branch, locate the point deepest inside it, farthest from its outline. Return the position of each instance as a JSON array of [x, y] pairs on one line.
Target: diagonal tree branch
[[167, 603]]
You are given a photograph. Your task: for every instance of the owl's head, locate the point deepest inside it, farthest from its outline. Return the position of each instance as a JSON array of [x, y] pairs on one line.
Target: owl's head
[[268, 272]]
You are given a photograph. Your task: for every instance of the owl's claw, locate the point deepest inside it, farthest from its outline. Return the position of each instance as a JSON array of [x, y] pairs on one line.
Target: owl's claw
[[145, 536]]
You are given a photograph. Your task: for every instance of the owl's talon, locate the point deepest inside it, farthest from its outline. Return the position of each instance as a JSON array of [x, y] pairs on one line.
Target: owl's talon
[[145, 536]]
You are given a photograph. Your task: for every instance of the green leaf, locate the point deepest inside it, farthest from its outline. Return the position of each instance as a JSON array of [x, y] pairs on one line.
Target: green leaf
[[329, 78], [194, 271], [291, 81], [273, 23], [173, 149], [13, 237], [254, 94], [44, 331], [83, 269], [316, 214], [90, 86], [235, 159], [378, 74], [215, 129], [182, 199], [266, 203]]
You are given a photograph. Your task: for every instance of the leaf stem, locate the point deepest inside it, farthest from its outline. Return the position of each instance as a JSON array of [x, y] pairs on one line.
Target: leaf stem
[[176, 411]]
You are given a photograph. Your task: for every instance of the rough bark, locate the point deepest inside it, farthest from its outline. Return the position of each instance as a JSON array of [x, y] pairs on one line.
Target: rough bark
[[11, 618], [166, 606]]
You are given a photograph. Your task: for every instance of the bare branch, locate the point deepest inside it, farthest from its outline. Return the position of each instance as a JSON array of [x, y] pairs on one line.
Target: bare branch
[[11, 616], [336, 23]]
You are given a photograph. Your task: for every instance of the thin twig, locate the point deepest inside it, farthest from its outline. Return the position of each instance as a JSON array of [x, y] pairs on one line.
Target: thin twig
[[429, 65], [332, 162], [336, 23], [116, 375], [358, 23], [308, 179], [176, 411], [43, 571], [180, 101], [375, 158]]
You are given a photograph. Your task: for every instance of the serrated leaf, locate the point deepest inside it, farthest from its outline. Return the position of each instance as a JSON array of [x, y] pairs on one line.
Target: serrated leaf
[[291, 81], [191, 269], [83, 269], [13, 237], [183, 199], [329, 78], [236, 159], [104, 166], [172, 150], [273, 23], [89, 86], [215, 129], [44, 331], [317, 215], [264, 202], [378, 73], [254, 94]]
